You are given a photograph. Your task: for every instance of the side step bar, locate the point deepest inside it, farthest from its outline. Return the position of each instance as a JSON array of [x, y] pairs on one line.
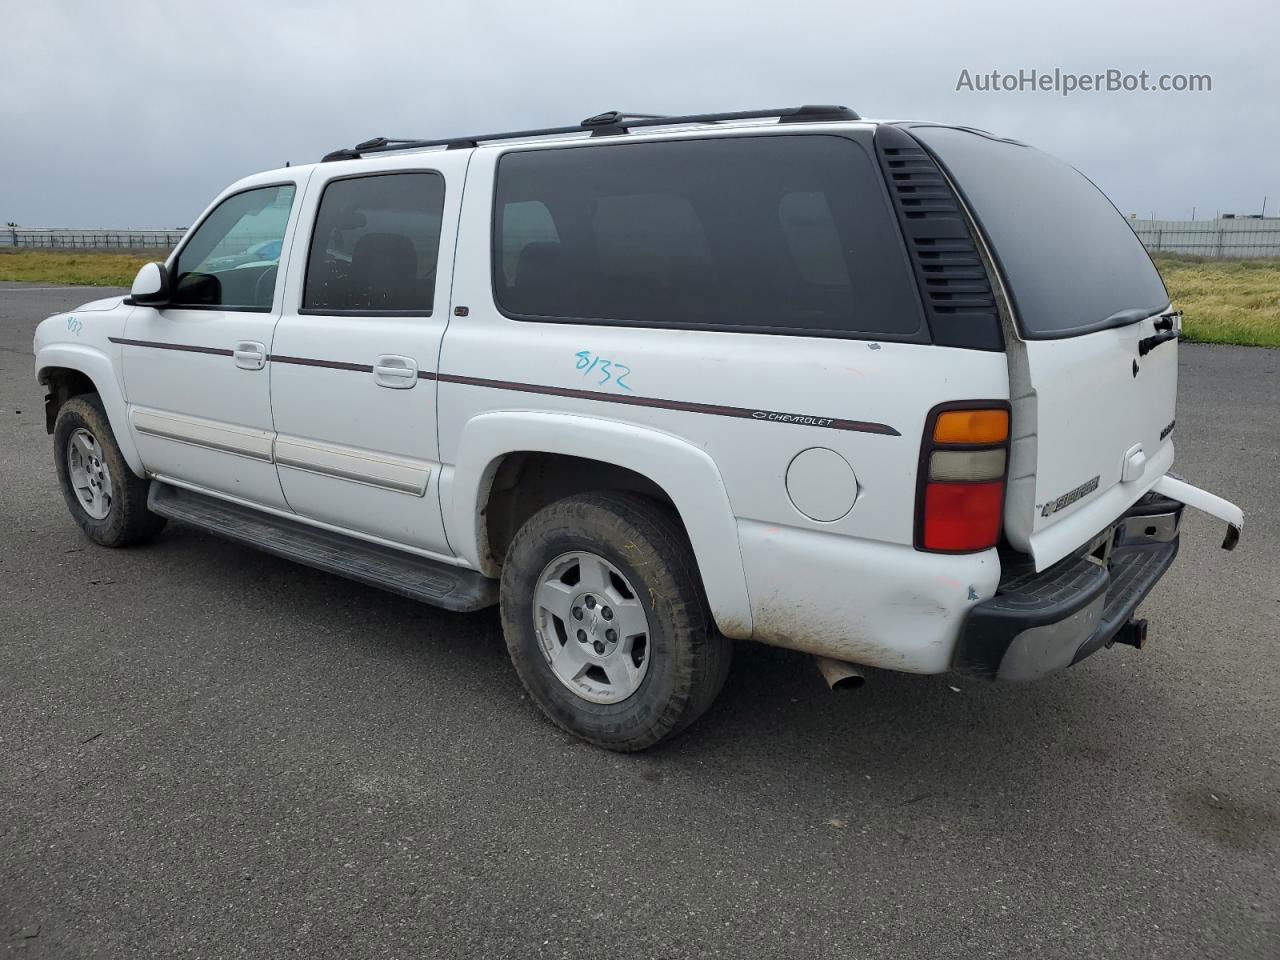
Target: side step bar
[[406, 574]]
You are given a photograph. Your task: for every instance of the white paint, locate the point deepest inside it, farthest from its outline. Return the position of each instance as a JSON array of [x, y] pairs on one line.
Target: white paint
[[686, 472], [821, 484], [205, 386], [148, 282], [1135, 464], [1082, 419], [392, 419], [347, 463], [99, 360], [792, 547], [1210, 503], [879, 604], [224, 437]]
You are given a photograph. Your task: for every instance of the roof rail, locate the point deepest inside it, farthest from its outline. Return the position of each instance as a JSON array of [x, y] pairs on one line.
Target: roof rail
[[610, 123]]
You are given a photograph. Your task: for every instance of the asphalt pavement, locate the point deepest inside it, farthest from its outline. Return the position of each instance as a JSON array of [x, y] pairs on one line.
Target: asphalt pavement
[[209, 752]]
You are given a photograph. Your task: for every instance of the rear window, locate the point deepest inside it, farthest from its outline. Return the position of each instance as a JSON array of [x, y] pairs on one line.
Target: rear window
[[1072, 263], [781, 234]]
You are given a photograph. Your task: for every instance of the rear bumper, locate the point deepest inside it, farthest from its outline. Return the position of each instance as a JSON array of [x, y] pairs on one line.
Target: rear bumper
[[1040, 622]]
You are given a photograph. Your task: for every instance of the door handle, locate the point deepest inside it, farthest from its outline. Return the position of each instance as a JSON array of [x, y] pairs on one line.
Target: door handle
[[395, 372], [250, 355]]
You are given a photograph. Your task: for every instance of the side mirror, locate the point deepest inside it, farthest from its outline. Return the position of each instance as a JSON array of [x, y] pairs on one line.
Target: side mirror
[[151, 286]]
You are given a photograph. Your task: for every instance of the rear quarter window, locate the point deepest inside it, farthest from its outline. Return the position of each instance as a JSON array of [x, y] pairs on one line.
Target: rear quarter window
[[1071, 262], [778, 234]]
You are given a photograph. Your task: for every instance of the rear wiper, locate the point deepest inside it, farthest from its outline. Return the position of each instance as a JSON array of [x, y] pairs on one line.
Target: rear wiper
[[1147, 344], [1123, 318], [1168, 322]]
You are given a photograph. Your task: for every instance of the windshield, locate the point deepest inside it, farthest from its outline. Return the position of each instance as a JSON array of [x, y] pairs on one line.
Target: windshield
[[1071, 262]]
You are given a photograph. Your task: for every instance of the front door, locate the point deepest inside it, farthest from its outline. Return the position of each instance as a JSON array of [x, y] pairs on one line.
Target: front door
[[353, 387], [196, 371]]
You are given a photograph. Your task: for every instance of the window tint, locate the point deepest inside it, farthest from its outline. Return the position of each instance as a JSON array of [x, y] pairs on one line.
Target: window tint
[[232, 257], [527, 221], [1070, 259], [789, 234], [375, 246], [812, 239]]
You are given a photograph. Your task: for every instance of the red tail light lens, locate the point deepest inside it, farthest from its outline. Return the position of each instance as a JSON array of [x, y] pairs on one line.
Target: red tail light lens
[[963, 463], [962, 516]]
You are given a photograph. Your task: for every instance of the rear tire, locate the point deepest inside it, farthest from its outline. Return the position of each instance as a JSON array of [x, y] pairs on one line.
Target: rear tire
[[105, 497], [606, 621]]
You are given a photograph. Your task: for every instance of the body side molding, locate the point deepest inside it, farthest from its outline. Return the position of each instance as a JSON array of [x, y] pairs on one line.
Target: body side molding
[[361, 466], [685, 406], [228, 438]]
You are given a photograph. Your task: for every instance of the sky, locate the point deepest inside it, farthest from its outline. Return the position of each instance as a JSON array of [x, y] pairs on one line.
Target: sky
[[134, 113]]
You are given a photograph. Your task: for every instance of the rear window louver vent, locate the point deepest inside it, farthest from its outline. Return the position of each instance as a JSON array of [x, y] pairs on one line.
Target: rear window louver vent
[[953, 283]]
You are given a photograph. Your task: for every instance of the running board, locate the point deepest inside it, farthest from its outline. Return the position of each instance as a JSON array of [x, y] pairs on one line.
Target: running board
[[406, 574]]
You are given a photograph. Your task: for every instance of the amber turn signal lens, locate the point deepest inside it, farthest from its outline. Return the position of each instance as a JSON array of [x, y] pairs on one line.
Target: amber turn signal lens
[[971, 426]]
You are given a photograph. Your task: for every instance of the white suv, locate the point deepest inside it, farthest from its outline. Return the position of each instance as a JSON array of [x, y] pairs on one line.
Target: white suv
[[892, 394]]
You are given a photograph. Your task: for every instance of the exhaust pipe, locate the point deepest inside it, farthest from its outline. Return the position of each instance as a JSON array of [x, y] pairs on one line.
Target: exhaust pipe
[[1133, 634], [840, 675]]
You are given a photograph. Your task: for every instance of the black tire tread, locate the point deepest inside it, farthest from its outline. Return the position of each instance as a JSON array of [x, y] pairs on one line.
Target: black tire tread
[[703, 654], [129, 521]]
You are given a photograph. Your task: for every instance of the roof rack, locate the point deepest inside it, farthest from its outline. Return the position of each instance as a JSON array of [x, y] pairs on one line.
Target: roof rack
[[611, 123]]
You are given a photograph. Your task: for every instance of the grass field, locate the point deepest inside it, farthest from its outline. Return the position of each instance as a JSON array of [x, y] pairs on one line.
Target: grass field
[[1224, 301], [80, 266]]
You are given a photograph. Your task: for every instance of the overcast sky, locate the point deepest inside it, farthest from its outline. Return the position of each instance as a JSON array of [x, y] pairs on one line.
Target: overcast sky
[[134, 114]]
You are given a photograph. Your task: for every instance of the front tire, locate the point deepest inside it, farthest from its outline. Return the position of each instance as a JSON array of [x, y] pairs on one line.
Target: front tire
[[606, 621], [105, 497]]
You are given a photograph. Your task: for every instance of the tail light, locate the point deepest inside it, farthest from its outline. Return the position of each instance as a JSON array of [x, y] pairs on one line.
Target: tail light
[[963, 463]]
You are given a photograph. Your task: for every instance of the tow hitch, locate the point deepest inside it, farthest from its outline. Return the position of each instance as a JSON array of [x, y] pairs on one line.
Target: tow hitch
[[1133, 634]]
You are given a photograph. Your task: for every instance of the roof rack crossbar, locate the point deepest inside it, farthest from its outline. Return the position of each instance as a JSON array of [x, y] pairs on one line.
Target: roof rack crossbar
[[610, 123]]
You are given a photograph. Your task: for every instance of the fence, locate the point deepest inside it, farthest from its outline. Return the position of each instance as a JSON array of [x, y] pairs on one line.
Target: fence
[[1241, 237], [59, 238]]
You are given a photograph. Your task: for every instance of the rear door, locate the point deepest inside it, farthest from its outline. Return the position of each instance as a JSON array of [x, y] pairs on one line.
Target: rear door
[[1094, 364], [353, 388]]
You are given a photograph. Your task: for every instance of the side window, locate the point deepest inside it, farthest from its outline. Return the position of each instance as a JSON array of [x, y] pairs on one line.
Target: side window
[[375, 246], [233, 256], [776, 234], [812, 238], [527, 222]]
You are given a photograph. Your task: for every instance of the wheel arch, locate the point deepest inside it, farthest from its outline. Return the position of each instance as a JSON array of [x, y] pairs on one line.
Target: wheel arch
[[614, 455], [70, 370]]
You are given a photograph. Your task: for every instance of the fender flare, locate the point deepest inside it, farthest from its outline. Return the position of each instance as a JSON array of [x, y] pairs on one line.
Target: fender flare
[[97, 366], [686, 473]]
